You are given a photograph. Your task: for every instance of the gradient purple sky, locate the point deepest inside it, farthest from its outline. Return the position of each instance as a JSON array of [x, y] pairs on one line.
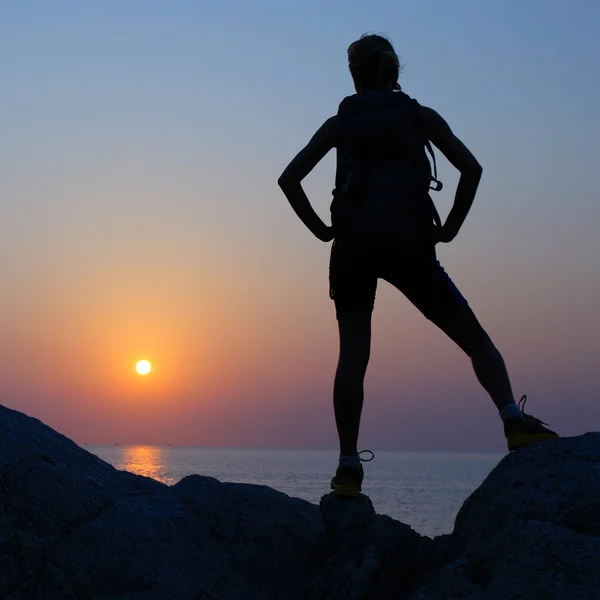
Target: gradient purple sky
[[139, 152]]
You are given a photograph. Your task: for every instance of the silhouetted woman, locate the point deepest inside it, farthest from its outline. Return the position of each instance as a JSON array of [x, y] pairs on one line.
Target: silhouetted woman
[[385, 226]]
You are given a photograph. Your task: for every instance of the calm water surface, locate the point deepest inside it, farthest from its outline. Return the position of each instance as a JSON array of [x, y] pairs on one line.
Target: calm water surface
[[424, 490]]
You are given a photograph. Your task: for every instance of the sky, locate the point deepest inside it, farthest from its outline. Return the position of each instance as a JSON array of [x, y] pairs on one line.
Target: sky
[[140, 217]]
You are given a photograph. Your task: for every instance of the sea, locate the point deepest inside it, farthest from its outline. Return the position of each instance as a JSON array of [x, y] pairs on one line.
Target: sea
[[424, 490]]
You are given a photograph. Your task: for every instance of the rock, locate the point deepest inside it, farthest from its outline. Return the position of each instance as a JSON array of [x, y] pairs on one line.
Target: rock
[[73, 527], [531, 530], [368, 555]]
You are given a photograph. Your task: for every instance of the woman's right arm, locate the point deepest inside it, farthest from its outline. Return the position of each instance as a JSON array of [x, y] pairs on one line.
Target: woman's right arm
[[440, 134]]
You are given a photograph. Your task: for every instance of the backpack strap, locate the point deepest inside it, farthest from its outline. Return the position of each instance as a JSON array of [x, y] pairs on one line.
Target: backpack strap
[[438, 184], [437, 188]]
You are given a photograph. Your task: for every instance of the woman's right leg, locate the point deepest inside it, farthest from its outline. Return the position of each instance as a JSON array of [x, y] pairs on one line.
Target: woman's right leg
[[430, 289]]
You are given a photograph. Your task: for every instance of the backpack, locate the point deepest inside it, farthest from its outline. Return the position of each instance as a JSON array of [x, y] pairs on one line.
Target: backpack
[[383, 175]]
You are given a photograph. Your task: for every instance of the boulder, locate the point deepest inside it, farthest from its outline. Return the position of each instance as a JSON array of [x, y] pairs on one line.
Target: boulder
[[73, 527], [531, 529]]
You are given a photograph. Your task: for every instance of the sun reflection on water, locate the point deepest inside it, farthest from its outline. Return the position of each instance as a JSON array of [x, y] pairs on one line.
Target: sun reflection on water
[[148, 461]]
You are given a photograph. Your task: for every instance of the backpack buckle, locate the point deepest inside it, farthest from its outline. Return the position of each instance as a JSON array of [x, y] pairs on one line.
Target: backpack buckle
[[438, 185]]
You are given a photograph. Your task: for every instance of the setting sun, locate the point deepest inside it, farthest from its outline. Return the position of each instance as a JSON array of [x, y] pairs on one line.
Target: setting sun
[[143, 367]]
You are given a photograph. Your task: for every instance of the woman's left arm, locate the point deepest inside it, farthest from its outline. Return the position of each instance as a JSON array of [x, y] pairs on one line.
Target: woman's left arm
[[290, 180]]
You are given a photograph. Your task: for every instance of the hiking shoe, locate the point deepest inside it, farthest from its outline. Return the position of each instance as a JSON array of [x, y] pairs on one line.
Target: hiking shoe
[[348, 480], [520, 432]]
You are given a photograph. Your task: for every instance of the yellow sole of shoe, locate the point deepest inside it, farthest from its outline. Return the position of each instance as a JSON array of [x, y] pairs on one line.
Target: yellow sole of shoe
[[518, 441], [348, 491]]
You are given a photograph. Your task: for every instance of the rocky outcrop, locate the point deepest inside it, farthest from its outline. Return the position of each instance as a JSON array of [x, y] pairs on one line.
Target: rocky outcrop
[[73, 527]]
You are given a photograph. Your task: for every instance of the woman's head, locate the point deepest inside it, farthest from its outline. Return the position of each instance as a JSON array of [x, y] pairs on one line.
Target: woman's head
[[373, 63]]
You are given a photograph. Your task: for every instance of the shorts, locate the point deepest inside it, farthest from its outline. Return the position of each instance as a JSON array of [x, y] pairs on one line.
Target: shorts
[[413, 269]]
